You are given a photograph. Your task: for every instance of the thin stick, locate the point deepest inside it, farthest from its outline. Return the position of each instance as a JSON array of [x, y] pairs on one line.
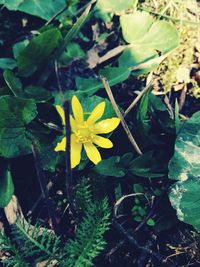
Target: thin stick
[[120, 116], [186, 22], [137, 99], [135, 244], [44, 190], [69, 177], [56, 15]]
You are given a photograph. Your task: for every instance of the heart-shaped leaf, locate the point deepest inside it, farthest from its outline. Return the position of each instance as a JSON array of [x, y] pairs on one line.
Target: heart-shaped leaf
[[15, 115], [150, 40]]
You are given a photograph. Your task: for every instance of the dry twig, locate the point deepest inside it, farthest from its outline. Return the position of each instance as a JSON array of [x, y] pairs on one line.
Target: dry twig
[[120, 116]]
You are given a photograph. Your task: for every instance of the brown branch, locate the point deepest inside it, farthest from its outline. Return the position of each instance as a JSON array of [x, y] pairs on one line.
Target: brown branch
[[136, 100], [135, 244], [120, 116]]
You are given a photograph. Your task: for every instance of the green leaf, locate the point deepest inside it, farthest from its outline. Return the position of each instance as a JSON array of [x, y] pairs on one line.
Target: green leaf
[[18, 47], [7, 63], [149, 165], [150, 40], [89, 103], [67, 39], [135, 26], [113, 6], [142, 114], [13, 82], [112, 74], [36, 54], [185, 167], [6, 185], [73, 52], [15, 115], [110, 167], [39, 94], [150, 222], [38, 8]]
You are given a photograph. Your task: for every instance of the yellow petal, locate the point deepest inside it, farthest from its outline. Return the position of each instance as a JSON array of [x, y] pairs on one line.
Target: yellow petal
[[97, 113], [77, 109], [102, 142], [92, 153], [107, 126], [61, 146], [72, 123], [76, 148], [61, 112]]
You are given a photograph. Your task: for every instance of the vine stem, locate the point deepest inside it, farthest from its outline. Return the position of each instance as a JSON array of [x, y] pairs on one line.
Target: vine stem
[[120, 116]]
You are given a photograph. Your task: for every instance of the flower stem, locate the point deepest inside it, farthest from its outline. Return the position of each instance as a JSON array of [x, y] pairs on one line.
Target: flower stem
[[70, 184]]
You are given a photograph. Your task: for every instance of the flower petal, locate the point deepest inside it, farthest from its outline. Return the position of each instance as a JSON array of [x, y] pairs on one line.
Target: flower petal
[[97, 113], [72, 123], [107, 126], [76, 148], [61, 112], [61, 146], [92, 153], [77, 109], [102, 142]]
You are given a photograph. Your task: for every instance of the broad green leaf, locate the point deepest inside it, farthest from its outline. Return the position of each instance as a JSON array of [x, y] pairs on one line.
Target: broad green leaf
[[185, 167], [135, 26], [89, 103], [113, 6], [112, 74], [39, 8], [110, 167], [149, 165], [6, 185], [18, 47], [150, 40], [61, 48], [36, 54], [115, 166], [13, 82], [73, 52], [7, 63], [37, 93], [15, 115]]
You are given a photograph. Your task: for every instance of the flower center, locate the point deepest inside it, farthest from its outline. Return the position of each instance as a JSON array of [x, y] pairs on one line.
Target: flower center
[[85, 133]]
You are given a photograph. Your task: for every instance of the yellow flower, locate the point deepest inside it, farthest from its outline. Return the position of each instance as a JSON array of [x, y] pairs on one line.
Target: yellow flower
[[85, 133]]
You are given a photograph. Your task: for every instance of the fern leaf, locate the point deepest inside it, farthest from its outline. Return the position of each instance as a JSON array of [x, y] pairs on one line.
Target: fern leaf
[[89, 241]]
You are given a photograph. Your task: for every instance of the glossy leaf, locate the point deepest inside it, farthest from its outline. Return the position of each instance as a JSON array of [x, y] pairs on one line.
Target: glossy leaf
[[6, 184], [113, 6], [185, 167], [150, 40], [114, 76], [15, 115], [7, 63], [37, 8], [36, 54], [149, 165]]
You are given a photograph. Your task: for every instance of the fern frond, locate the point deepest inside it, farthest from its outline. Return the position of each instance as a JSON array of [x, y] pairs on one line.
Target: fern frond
[[89, 241], [38, 243], [83, 194], [13, 256]]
